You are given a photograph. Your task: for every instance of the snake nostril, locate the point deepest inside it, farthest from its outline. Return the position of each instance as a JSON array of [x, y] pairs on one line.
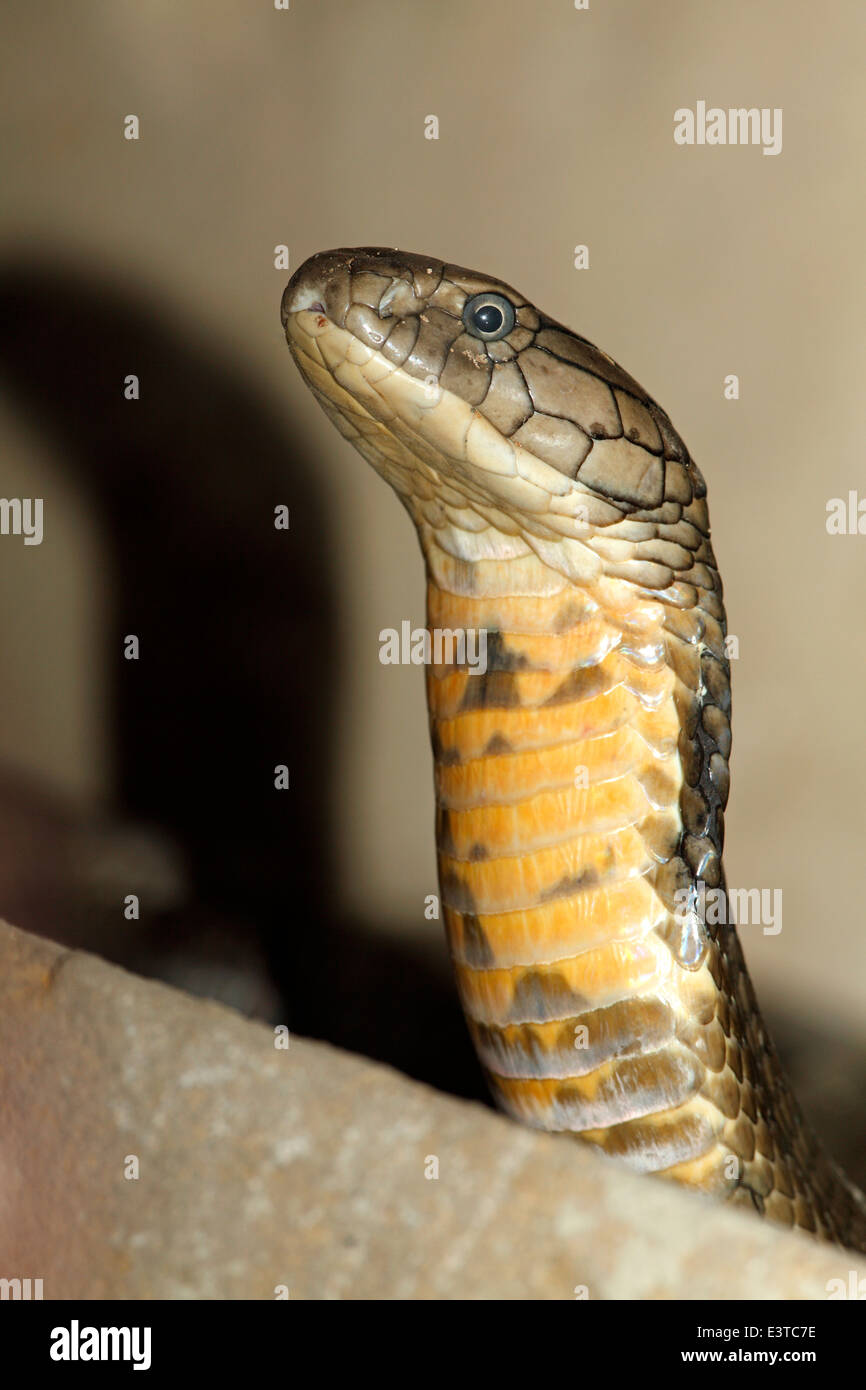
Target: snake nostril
[[399, 298], [385, 310]]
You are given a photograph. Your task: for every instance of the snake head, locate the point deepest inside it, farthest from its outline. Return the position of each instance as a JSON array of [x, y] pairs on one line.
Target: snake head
[[488, 417]]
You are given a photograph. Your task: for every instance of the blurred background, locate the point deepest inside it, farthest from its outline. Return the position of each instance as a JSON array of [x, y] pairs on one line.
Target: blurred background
[[306, 127]]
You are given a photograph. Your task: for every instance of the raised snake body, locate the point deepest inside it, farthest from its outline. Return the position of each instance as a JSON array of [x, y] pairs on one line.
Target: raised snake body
[[581, 780]]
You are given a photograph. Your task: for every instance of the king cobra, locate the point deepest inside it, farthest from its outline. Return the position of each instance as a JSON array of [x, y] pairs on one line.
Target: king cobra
[[581, 777]]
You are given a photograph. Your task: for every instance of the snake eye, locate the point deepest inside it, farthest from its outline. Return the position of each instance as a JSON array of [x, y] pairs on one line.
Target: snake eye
[[488, 316]]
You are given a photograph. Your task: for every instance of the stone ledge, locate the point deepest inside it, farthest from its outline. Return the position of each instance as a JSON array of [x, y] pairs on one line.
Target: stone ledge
[[306, 1168]]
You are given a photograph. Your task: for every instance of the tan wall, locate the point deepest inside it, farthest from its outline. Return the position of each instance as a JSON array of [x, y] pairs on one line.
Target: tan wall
[[307, 127]]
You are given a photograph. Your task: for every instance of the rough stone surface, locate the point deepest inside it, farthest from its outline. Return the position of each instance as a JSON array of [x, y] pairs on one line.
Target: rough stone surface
[[306, 1168]]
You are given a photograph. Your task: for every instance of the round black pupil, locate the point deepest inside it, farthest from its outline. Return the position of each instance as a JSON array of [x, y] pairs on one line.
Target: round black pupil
[[488, 318]]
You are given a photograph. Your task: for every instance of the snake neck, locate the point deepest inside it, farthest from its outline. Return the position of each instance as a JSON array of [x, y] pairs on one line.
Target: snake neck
[[581, 775]]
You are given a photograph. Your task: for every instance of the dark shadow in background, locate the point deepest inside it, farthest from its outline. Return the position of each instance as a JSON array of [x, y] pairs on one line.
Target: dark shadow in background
[[239, 668]]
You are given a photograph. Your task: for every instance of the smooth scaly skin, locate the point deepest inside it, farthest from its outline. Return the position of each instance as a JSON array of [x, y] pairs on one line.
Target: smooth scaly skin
[[581, 781]]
